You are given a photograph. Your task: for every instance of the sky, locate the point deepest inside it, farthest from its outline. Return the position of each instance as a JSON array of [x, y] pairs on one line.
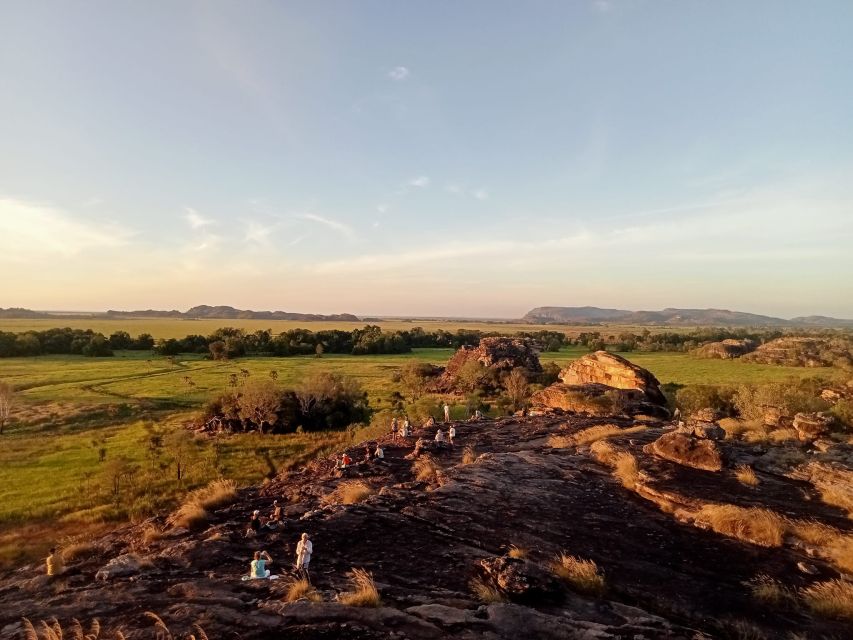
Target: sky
[[435, 158]]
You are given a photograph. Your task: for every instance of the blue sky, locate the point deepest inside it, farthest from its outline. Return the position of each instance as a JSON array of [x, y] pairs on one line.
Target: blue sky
[[441, 158]]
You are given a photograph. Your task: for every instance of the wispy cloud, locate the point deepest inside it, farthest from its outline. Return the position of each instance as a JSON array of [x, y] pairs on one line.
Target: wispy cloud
[[258, 233], [421, 182], [602, 6], [195, 219], [398, 74], [339, 227], [32, 230], [480, 194]]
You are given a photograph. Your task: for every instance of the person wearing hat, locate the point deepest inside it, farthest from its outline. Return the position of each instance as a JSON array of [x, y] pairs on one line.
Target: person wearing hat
[[254, 524], [304, 549]]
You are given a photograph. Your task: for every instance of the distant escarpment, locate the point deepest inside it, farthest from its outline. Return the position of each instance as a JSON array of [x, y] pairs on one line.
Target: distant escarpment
[[673, 317], [204, 311]]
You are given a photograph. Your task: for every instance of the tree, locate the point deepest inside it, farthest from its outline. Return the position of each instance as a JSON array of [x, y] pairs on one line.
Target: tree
[[7, 395], [258, 403], [471, 375], [217, 350], [517, 388], [413, 376], [182, 448], [318, 350]]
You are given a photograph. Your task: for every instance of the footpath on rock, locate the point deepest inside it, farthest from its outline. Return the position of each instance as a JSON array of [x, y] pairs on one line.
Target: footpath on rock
[[470, 541]]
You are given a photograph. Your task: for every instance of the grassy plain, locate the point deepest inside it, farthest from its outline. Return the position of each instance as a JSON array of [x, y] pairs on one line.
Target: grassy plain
[[178, 328], [70, 407]]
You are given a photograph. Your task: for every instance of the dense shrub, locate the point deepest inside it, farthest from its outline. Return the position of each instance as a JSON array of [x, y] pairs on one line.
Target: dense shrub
[[695, 397], [752, 401]]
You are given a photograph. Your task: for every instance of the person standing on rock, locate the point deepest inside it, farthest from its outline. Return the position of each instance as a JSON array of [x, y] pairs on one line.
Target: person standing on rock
[[451, 434], [304, 549], [394, 429], [439, 437], [446, 412]]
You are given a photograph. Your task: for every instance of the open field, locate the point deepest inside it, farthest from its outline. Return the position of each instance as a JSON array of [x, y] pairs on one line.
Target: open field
[[68, 408], [178, 328]]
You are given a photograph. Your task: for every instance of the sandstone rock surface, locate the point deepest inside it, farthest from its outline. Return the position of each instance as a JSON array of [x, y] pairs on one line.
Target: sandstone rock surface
[[497, 354], [614, 371], [698, 453]]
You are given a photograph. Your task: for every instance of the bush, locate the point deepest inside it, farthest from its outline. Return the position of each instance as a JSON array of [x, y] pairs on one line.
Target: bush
[[751, 401], [694, 397]]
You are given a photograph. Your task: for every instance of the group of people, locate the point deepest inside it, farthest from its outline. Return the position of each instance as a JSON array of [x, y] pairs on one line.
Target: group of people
[[258, 566], [403, 430], [257, 522], [344, 460]]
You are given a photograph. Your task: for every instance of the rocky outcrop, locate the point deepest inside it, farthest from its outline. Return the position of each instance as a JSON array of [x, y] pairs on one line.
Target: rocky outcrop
[[698, 453], [498, 355], [726, 349], [804, 352], [602, 383], [426, 540], [812, 425], [602, 367]]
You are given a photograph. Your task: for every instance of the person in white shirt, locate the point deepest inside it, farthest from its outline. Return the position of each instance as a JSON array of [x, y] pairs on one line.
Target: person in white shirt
[[439, 437], [452, 433], [446, 412], [304, 549], [379, 454]]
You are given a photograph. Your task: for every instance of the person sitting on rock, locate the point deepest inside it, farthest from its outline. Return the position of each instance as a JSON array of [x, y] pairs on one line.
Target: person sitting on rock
[[367, 454], [55, 565], [379, 454], [254, 524], [275, 517], [346, 461], [430, 422], [439, 438], [258, 567], [304, 549], [451, 433]]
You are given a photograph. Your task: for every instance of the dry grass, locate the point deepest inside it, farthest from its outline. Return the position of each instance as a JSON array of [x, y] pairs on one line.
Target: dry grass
[[520, 553], [746, 476], [151, 534], [835, 496], [590, 435], [626, 470], [778, 436], [364, 592], [758, 526], [813, 532], [624, 464], [833, 599], [469, 456], [486, 593], [840, 551], [583, 575], [350, 492], [301, 590], [193, 512], [426, 468], [52, 630], [772, 591], [78, 551]]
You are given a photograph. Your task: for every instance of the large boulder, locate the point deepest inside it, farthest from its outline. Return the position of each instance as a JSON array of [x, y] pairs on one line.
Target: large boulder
[[594, 399], [811, 425], [120, 567], [602, 367], [496, 354], [804, 352], [698, 453]]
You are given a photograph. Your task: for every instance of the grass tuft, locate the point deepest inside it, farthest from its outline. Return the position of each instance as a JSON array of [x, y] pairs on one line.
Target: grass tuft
[[350, 492], [78, 551], [746, 476], [364, 592], [302, 590], [583, 575], [758, 526], [486, 593], [426, 468], [833, 599], [469, 456], [771, 591], [193, 511], [520, 553]]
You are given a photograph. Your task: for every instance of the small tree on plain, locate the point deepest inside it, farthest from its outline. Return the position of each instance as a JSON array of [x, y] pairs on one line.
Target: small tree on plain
[[517, 388]]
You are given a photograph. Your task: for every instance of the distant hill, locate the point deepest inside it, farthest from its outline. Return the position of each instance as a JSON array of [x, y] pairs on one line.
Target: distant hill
[[673, 317], [196, 313]]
